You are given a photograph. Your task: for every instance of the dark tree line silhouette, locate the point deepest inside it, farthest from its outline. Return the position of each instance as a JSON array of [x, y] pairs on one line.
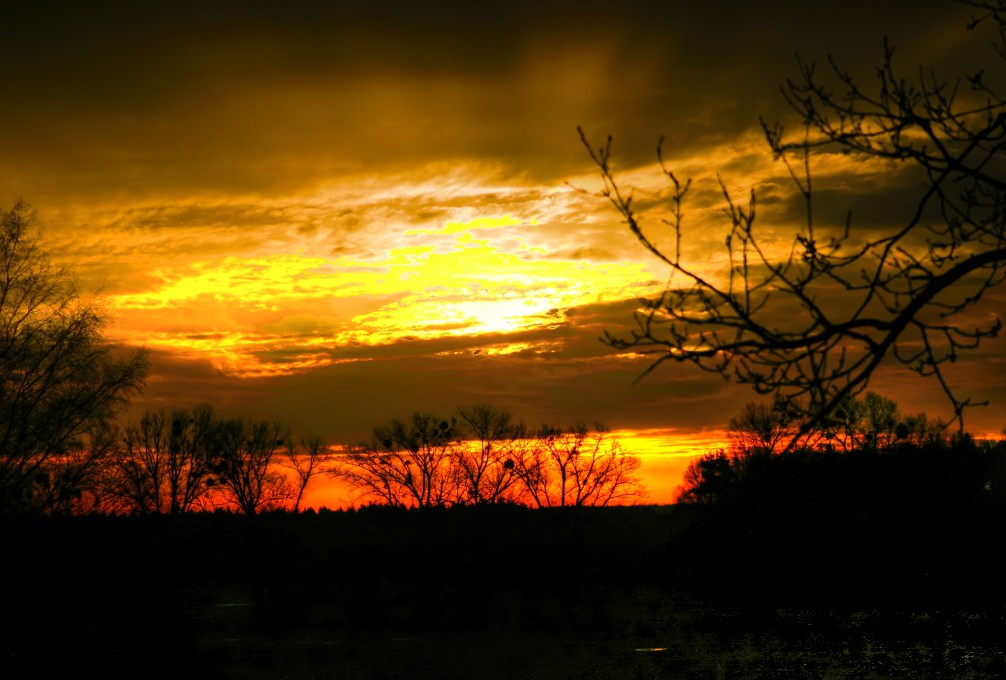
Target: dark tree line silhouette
[[195, 460], [828, 496], [809, 327], [63, 449], [774, 458]]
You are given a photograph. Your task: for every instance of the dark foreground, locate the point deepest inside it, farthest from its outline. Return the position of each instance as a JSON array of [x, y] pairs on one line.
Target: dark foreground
[[646, 592]]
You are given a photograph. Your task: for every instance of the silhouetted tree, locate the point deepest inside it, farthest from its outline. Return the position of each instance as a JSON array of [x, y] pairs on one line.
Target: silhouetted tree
[[921, 430], [407, 464], [243, 456], [488, 458], [816, 320], [305, 459], [163, 464], [75, 483], [485, 464], [577, 466], [878, 425], [60, 382], [874, 423], [871, 424], [708, 479], [762, 428], [140, 470]]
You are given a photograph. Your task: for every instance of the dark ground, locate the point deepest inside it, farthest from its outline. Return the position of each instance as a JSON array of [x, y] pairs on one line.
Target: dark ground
[[643, 592]]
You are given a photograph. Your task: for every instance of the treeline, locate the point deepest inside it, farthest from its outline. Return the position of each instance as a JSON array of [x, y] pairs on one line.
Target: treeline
[[881, 509], [194, 460], [484, 455], [169, 463], [866, 449], [65, 450]]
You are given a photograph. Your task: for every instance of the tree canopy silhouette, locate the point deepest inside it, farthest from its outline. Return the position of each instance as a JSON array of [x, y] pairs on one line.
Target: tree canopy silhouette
[[60, 381], [868, 452], [817, 320]]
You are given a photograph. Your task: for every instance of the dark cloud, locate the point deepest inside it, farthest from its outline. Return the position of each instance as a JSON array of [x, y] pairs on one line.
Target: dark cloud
[[345, 401], [566, 375], [161, 123], [113, 96]]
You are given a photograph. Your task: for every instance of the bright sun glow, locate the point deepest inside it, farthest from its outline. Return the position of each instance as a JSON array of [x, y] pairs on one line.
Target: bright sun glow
[[283, 313]]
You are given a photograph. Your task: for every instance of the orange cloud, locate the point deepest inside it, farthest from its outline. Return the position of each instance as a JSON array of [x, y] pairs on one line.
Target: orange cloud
[[239, 310]]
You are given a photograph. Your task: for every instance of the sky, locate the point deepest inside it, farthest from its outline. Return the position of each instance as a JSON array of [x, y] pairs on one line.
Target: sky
[[334, 214]]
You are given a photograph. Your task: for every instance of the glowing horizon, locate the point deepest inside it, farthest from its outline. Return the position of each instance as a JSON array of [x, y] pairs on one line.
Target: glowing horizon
[[664, 454], [301, 227]]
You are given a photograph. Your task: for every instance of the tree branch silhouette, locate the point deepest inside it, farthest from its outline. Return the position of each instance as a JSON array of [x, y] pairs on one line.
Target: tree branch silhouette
[[816, 322], [61, 384]]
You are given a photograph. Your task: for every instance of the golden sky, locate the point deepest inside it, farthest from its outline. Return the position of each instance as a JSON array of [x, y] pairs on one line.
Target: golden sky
[[338, 213]]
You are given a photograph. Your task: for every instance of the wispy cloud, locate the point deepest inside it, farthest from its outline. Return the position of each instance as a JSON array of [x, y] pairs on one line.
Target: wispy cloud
[[297, 209]]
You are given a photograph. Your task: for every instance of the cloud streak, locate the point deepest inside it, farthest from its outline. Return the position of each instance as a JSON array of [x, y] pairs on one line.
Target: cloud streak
[[339, 213]]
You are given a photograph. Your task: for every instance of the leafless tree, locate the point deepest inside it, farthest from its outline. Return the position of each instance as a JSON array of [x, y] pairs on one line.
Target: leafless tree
[[765, 428], [306, 458], [816, 321], [140, 479], [486, 463], [868, 423], [188, 457], [59, 380], [874, 423], [163, 462], [878, 422], [923, 431], [406, 464], [489, 458], [576, 466], [243, 458], [75, 483]]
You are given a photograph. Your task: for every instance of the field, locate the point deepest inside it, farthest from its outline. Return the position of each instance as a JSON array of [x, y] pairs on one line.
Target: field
[[641, 592]]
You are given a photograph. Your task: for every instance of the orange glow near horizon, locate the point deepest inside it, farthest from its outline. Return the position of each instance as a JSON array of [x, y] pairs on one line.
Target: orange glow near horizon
[[664, 455], [341, 215]]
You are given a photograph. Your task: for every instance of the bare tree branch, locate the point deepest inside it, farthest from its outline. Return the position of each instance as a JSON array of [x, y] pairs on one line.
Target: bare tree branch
[[816, 322]]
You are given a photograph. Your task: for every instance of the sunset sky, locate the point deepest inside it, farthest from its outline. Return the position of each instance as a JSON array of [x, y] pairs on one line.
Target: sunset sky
[[333, 214]]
